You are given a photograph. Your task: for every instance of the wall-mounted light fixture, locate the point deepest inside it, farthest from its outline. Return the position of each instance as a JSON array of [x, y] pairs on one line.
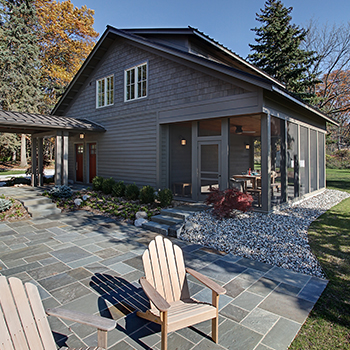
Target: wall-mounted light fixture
[[247, 146], [82, 135], [183, 141]]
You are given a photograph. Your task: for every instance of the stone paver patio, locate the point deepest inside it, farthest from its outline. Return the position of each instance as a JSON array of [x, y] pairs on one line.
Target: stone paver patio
[[90, 263]]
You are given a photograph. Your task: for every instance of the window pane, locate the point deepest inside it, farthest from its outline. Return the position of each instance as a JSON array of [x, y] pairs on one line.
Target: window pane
[[292, 161], [313, 159], [321, 147]]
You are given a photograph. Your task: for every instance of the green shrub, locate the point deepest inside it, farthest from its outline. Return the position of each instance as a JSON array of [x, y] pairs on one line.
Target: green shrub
[[147, 194], [97, 183], [118, 189], [132, 192], [61, 192], [165, 197], [107, 185], [5, 204]]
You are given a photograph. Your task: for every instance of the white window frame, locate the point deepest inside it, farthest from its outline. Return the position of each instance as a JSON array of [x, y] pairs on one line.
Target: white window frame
[[139, 82], [105, 93]]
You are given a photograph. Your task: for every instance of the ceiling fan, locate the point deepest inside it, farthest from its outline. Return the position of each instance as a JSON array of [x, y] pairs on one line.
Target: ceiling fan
[[239, 130]]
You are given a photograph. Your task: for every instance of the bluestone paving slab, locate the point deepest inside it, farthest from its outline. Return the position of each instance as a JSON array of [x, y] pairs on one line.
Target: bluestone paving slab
[[260, 321], [235, 336], [234, 312], [205, 343], [70, 292], [82, 262], [56, 281], [248, 300], [70, 254], [49, 270], [25, 252], [313, 289], [15, 270], [287, 276], [122, 345], [206, 296], [281, 334], [236, 287], [176, 341], [290, 307], [264, 286], [121, 268]]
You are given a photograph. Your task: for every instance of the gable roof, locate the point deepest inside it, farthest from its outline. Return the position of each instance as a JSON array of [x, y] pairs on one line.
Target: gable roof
[[238, 67], [30, 123]]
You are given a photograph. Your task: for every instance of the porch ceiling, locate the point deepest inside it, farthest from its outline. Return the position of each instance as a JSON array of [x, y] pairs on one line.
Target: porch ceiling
[[28, 123]]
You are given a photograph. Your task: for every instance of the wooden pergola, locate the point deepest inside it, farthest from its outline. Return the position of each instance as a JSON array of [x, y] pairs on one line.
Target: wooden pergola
[[40, 127]]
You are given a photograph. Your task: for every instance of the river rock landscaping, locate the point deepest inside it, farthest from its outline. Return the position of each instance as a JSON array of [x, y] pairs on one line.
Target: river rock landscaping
[[279, 238]]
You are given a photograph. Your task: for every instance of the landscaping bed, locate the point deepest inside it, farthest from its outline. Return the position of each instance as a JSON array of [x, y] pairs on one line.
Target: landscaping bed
[[15, 212]]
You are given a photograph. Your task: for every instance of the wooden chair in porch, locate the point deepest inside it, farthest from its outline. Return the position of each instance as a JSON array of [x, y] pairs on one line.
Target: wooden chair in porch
[[23, 321], [166, 286]]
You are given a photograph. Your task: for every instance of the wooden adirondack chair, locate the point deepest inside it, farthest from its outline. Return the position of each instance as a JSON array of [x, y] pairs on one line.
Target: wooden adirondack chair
[[166, 286], [23, 322]]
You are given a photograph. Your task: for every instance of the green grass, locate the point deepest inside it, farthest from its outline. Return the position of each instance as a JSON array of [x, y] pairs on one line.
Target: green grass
[[338, 179], [328, 325], [12, 172]]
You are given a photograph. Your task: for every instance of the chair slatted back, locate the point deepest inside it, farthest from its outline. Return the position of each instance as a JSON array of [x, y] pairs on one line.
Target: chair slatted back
[[23, 322], [165, 269]]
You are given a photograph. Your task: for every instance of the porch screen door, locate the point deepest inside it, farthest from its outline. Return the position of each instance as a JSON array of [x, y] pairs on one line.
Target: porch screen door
[[209, 166], [79, 158]]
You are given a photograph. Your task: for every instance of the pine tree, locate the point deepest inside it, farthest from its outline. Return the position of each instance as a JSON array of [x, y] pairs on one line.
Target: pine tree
[[19, 57], [278, 52]]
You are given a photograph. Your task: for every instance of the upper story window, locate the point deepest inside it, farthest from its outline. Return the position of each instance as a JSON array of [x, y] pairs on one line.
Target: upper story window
[[105, 92], [136, 82]]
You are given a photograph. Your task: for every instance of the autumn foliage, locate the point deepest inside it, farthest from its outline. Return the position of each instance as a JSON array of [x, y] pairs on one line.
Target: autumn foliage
[[224, 202], [65, 36]]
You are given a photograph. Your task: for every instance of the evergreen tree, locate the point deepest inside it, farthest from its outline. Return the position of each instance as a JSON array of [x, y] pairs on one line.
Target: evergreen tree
[[19, 52], [278, 51]]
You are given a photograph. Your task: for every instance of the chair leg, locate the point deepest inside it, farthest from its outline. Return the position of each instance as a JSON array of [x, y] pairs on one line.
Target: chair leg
[[164, 330], [215, 321]]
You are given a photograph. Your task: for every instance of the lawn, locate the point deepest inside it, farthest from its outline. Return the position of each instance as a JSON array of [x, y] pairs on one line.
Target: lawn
[[12, 172], [328, 325]]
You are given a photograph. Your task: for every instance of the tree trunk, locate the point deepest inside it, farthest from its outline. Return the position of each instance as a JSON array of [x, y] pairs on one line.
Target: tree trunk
[[23, 151]]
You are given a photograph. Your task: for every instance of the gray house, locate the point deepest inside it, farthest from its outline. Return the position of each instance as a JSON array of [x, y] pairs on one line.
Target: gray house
[[181, 111]]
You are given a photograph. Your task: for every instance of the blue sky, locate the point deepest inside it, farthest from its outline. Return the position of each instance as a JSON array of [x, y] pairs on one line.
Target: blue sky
[[227, 21]]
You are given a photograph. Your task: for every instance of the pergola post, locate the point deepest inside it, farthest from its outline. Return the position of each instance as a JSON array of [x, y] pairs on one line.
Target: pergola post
[[266, 162], [40, 161], [58, 159], [34, 161], [65, 157]]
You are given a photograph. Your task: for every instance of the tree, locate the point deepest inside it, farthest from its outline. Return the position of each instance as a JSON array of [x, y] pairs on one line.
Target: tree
[[66, 37], [278, 49], [19, 57], [332, 45]]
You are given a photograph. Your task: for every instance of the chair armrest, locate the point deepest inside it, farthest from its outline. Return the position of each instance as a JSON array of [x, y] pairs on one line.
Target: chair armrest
[[102, 323], [206, 281], [160, 303]]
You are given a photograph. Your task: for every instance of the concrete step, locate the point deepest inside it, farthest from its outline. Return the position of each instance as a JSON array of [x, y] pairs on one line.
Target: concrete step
[[167, 220], [156, 227], [177, 213]]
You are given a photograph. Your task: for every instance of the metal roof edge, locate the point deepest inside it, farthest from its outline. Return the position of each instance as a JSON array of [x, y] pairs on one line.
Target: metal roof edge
[[304, 105]]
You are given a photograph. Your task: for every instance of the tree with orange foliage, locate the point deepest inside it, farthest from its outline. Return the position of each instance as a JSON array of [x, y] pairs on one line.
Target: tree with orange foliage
[[66, 37]]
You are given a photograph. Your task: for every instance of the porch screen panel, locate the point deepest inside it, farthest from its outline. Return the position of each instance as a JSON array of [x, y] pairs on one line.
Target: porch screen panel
[[304, 161], [292, 161], [209, 167], [313, 160], [321, 157], [277, 140]]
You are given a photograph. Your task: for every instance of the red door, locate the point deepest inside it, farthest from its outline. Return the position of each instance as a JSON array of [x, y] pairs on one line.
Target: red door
[[79, 158], [92, 161]]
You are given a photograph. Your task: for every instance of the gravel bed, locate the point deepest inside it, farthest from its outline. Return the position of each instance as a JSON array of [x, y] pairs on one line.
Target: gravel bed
[[279, 238]]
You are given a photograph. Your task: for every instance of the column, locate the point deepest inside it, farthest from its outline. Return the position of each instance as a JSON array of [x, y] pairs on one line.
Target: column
[[266, 162], [34, 162], [65, 157], [58, 159], [40, 162]]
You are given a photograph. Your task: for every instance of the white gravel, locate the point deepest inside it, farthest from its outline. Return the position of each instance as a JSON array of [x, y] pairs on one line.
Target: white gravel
[[279, 238]]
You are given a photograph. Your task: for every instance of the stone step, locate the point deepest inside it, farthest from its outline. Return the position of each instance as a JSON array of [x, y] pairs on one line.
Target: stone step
[[177, 213], [40, 206], [167, 220], [156, 227], [38, 200], [35, 213]]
